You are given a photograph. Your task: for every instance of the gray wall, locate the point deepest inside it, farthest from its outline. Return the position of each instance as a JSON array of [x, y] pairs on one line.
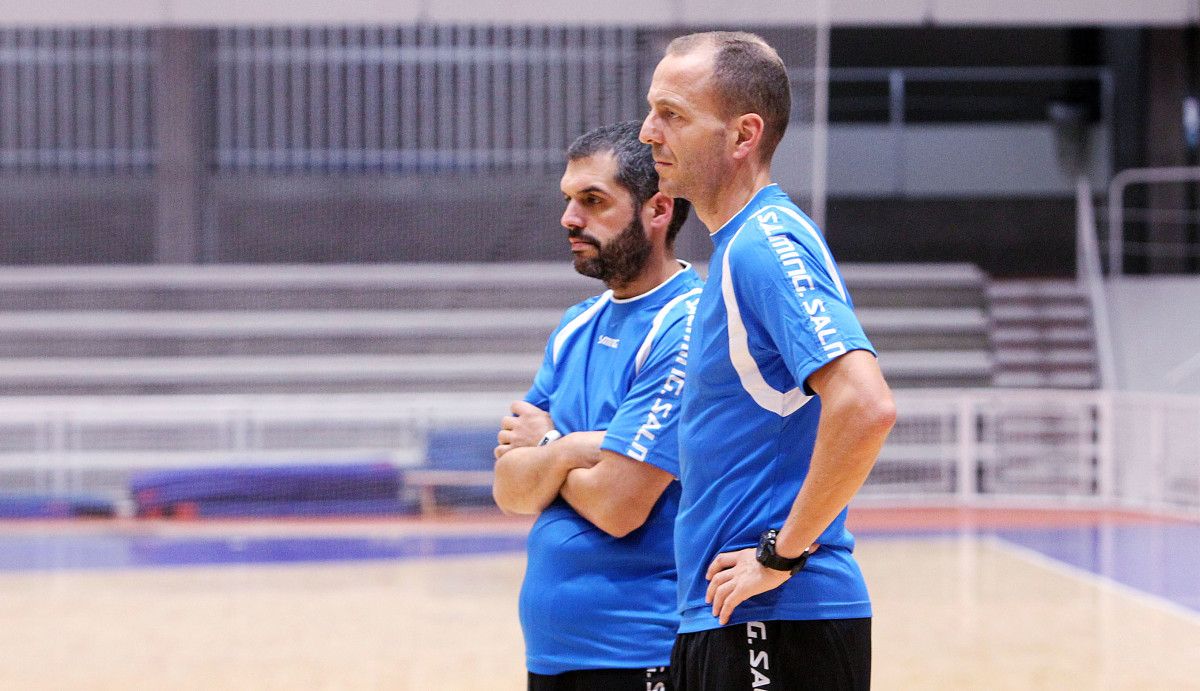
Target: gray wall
[[76, 220], [417, 218], [892, 12], [996, 160], [1156, 333]]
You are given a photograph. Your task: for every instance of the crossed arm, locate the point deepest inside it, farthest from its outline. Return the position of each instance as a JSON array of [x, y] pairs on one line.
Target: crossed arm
[[614, 492]]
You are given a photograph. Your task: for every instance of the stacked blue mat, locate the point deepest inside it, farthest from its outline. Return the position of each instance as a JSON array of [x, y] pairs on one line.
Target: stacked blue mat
[[356, 489], [37, 506], [464, 448]]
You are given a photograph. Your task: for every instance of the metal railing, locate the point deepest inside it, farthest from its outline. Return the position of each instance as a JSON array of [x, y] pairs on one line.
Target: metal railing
[[899, 82], [1119, 246], [1090, 275], [416, 98], [1107, 448], [76, 100]]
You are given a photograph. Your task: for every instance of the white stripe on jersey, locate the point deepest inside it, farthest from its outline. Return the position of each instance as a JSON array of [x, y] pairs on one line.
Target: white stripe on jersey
[[833, 274], [644, 351], [782, 403], [575, 324]]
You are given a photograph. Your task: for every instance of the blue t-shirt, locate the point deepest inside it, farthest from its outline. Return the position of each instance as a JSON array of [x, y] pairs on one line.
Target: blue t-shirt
[[774, 310], [589, 600]]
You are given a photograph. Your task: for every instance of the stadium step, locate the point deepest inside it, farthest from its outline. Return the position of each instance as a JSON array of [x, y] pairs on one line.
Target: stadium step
[[106, 333], [227, 329], [293, 287], [295, 374], [103, 333], [905, 285], [1042, 334]]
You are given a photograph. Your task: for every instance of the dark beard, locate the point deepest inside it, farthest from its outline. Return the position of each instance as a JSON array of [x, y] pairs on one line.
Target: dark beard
[[621, 260]]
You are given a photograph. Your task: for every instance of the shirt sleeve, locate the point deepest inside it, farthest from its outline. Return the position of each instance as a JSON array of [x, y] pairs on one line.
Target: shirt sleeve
[[790, 287], [644, 427]]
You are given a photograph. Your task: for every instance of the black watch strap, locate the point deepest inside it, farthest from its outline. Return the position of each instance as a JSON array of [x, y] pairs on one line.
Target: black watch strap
[[767, 557]]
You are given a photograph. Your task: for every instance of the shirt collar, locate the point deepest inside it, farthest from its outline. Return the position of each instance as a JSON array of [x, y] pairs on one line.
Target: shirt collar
[[740, 217]]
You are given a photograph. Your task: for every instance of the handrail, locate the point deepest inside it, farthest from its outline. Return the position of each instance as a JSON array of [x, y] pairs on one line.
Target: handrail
[[898, 79], [1116, 208], [1091, 277], [954, 74]]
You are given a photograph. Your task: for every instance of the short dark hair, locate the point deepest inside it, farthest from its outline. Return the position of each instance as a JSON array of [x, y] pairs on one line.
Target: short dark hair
[[635, 166], [750, 78]]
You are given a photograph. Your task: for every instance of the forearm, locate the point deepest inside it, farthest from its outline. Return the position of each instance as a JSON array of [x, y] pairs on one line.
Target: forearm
[[849, 438], [584, 490], [617, 494], [529, 478]]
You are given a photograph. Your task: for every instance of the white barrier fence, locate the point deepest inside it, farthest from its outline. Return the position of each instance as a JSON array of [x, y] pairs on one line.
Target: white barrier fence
[[1080, 447]]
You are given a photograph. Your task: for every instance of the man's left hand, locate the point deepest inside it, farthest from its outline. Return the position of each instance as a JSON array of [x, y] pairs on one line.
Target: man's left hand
[[734, 577], [524, 427]]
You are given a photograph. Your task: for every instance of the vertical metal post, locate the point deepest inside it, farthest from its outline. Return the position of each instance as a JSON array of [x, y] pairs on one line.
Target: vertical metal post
[[336, 61], [820, 133], [181, 114], [355, 66], [280, 112], [1116, 230], [896, 120]]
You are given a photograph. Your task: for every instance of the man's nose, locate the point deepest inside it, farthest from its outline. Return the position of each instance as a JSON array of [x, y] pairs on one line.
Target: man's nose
[[571, 218], [650, 133]]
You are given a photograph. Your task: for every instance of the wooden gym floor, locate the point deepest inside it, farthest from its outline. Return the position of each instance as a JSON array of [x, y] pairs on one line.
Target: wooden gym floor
[[982, 599]]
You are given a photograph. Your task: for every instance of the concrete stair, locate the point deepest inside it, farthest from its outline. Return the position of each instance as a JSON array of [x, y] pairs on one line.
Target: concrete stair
[[151, 330], [1042, 334]]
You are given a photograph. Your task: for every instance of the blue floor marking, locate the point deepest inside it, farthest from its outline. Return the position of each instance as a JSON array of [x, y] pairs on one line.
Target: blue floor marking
[[1161, 560], [53, 552]]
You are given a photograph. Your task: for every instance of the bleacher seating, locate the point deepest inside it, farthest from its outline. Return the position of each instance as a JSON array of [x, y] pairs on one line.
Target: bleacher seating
[[1042, 334], [106, 372], [389, 328]]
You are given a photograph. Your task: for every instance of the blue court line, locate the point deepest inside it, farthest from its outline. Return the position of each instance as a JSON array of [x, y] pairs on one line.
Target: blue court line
[[59, 552], [1160, 560]]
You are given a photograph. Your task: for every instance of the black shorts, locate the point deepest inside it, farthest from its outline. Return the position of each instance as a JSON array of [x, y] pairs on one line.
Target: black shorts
[[652, 679], [832, 655]]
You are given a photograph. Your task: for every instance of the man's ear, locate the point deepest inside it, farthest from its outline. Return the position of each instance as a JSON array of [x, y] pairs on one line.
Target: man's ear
[[661, 208], [748, 133]]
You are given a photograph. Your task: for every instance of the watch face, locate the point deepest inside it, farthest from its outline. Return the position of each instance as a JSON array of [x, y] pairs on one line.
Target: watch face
[[764, 550]]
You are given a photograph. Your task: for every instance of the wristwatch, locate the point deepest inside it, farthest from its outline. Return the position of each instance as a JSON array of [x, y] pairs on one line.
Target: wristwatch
[[767, 557], [549, 437]]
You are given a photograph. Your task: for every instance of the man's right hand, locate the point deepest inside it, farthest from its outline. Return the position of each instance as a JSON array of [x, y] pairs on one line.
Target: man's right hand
[[525, 427]]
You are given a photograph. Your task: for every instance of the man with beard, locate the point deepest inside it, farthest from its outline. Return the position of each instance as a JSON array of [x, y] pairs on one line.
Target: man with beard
[[592, 449]]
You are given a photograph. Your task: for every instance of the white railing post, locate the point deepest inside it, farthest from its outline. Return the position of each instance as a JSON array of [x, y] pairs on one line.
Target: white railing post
[[968, 449], [1155, 466], [1106, 476]]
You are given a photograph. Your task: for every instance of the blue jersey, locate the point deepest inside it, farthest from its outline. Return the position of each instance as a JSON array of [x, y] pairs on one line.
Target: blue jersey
[[589, 600], [774, 311]]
